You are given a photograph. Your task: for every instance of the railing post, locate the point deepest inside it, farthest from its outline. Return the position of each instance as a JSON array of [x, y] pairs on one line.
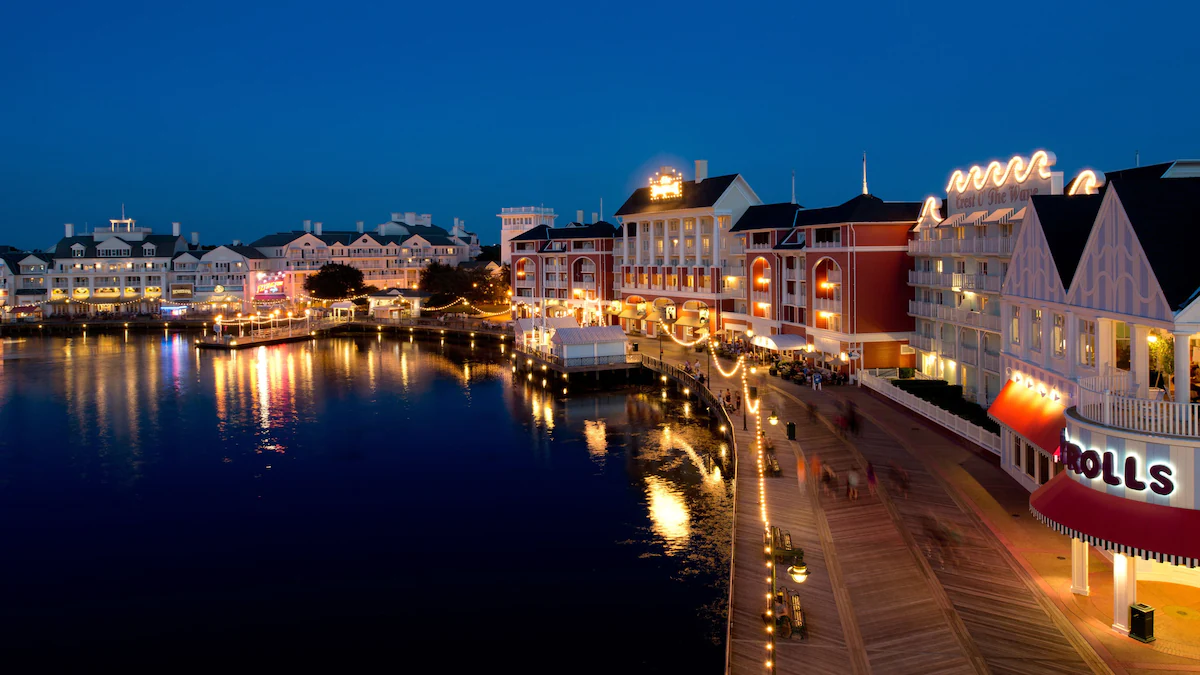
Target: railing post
[[1106, 408]]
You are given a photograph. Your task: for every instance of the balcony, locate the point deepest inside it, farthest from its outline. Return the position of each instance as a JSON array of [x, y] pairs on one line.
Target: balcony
[[965, 317], [968, 354], [760, 246], [928, 310], [947, 349], [789, 274], [984, 283], [991, 362], [1111, 400], [924, 342], [584, 285], [831, 305], [998, 246], [733, 293], [525, 282]]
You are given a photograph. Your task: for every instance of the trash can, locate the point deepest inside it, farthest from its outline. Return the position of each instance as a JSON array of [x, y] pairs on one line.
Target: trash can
[[753, 392], [1141, 622], [791, 431], [635, 346]]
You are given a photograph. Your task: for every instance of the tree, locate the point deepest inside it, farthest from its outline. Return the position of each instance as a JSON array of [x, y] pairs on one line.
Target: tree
[[334, 282], [489, 253]]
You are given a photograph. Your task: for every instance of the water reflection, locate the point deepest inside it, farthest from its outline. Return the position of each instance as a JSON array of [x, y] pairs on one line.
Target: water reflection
[[668, 512]]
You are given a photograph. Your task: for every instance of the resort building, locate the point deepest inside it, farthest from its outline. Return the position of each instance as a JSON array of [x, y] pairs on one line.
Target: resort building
[[1099, 347], [22, 283], [679, 265], [123, 268], [826, 281], [390, 256], [518, 219], [560, 271], [960, 255]]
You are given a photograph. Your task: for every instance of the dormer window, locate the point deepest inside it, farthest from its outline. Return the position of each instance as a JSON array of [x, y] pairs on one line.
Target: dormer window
[[148, 249], [77, 252]]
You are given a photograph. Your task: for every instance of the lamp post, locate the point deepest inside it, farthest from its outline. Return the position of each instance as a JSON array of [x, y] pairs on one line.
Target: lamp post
[[660, 342]]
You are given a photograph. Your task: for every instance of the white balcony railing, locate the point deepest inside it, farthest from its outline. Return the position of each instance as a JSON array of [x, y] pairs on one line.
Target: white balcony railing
[[968, 354], [832, 305], [991, 362], [947, 350], [924, 342], [966, 317], [987, 283], [922, 278], [1111, 400], [998, 246], [928, 310]]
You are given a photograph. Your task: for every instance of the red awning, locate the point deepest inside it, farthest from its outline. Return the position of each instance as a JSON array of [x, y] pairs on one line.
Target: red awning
[[1036, 418], [1150, 531]]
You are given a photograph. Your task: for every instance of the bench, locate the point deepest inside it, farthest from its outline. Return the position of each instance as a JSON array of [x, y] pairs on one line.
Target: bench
[[772, 466], [790, 618], [781, 545]]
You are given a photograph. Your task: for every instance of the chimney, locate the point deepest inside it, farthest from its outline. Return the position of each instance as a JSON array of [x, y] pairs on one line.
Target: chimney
[[237, 242], [308, 226], [595, 217], [579, 216], [383, 226], [174, 229], [317, 228], [195, 239], [359, 225], [701, 169], [70, 229], [410, 217]]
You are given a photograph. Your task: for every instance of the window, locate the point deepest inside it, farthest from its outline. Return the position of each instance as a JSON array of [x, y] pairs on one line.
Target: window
[[1035, 330], [77, 252], [1029, 455], [1016, 450], [1121, 344], [927, 265], [1087, 343], [1043, 468], [960, 233], [981, 267], [937, 265], [960, 266], [1060, 335], [1014, 328], [1006, 230]]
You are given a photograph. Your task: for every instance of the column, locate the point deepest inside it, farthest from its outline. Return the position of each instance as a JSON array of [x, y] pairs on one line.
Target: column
[[1139, 358], [1072, 354], [1124, 590], [1183, 367], [1079, 567], [638, 251], [625, 257], [980, 375]]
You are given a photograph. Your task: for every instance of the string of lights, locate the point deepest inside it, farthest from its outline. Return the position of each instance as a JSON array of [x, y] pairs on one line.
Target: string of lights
[[310, 298], [671, 334]]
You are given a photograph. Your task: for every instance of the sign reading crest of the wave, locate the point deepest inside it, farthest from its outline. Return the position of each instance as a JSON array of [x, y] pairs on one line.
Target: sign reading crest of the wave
[[1002, 185]]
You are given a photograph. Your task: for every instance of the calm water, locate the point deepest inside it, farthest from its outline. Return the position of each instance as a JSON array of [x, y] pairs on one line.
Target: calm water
[[394, 498]]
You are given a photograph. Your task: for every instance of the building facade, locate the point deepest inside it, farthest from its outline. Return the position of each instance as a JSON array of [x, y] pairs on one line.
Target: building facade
[[679, 265], [564, 271], [1099, 338], [518, 219], [960, 255], [824, 281]]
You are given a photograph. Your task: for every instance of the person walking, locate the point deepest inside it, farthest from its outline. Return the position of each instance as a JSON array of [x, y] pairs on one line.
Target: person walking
[[816, 382], [852, 485], [871, 478]]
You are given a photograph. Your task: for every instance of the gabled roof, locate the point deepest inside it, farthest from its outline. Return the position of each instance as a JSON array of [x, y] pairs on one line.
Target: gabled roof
[[1165, 214], [597, 230], [861, 209], [247, 252], [1066, 223], [695, 196], [164, 246], [767, 217], [1148, 172], [587, 335], [13, 260]]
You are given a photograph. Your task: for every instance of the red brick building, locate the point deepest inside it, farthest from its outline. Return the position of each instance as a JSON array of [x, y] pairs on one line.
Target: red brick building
[[564, 271]]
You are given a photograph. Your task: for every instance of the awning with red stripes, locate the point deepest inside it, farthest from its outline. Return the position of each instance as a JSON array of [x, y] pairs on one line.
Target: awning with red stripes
[[1036, 418], [1150, 531]]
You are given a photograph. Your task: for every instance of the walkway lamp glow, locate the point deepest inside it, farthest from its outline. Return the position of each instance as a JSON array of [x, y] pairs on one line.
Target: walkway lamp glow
[[798, 572], [773, 419]]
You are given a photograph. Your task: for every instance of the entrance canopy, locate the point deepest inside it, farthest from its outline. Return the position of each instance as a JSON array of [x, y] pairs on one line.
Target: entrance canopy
[[1036, 418], [1149, 531], [780, 343]]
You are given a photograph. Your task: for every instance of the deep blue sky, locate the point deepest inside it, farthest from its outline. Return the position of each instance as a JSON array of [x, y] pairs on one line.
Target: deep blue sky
[[244, 118]]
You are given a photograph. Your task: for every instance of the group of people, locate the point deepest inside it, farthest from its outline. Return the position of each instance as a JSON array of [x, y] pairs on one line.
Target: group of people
[[694, 370], [732, 403], [831, 484], [847, 419]]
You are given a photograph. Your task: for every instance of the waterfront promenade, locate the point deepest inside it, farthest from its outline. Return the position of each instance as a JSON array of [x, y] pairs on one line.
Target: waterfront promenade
[[879, 598]]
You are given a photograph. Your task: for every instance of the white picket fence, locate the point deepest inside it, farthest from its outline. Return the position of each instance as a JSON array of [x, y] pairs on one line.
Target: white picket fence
[[879, 381]]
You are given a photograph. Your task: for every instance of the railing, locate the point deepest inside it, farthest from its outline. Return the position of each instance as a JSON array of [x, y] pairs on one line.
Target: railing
[[968, 318], [948, 349], [1111, 400], [923, 278], [925, 342], [826, 244], [1001, 246], [969, 355], [833, 305], [928, 310], [759, 245], [735, 293], [988, 283], [872, 379], [789, 274], [991, 362]]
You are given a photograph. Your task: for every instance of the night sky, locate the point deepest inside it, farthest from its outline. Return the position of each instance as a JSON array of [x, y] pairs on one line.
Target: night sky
[[240, 119]]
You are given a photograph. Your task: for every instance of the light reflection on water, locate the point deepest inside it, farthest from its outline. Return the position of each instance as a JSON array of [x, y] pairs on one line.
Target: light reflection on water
[[426, 436]]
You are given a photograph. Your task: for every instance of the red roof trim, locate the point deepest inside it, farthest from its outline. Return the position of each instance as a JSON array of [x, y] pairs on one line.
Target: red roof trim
[[1036, 418], [1150, 531]]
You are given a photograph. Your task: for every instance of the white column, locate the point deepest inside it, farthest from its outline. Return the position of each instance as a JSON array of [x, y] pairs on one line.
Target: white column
[[1183, 367], [1139, 357], [1124, 590], [1079, 567], [980, 376], [625, 253], [716, 243]]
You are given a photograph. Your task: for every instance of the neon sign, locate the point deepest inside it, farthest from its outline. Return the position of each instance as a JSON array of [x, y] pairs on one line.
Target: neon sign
[[270, 287], [666, 184], [1093, 464]]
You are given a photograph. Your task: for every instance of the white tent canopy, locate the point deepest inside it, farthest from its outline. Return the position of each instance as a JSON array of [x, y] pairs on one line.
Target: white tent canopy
[[342, 305], [780, 343]]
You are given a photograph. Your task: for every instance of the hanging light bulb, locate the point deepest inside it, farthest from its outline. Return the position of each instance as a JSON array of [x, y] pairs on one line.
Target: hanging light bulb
[[773, 418]]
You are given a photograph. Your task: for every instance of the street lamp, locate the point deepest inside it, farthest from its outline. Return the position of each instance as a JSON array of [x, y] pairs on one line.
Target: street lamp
[[773, 419]]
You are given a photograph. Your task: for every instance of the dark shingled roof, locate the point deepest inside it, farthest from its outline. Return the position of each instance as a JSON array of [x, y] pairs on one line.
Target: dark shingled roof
[[164, 245], [1165, 215], [13, 260], [695, 196], [1148, 172], [598, 230], [435, 235], [861, 209], [1066, 223], [247, 251], [767, 217]]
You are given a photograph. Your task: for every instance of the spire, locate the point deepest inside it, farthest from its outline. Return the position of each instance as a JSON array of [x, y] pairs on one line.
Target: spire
[[865, 173], [1137, 157], [793, 186]]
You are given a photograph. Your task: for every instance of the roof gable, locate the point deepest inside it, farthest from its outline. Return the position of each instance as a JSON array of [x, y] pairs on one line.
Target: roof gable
[[694, 195], [767, 217]]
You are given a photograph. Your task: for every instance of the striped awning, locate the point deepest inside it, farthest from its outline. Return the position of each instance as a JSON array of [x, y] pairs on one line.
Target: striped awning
[[953, 220], [974, 219], [1000, 216], [1018, 216], [1126, 526], [693, 320], [630, 313]]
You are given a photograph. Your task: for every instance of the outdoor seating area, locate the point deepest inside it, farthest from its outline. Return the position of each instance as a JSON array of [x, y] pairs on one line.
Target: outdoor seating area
[[789, 614]]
